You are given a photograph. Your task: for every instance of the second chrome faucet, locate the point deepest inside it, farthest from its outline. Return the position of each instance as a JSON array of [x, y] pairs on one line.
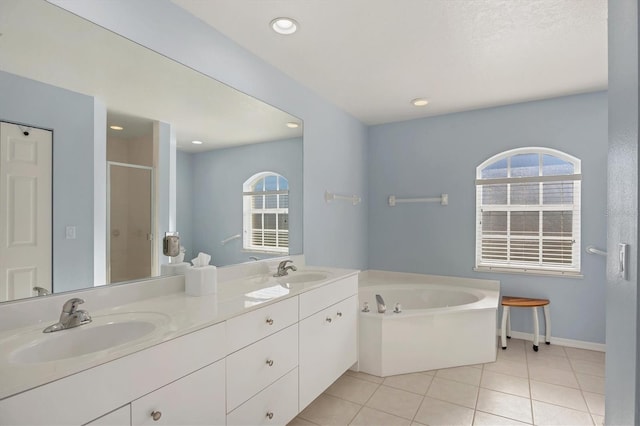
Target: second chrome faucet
[[283, 269]]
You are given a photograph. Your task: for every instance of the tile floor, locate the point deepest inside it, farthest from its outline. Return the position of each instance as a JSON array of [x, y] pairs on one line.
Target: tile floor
[[555, 386]]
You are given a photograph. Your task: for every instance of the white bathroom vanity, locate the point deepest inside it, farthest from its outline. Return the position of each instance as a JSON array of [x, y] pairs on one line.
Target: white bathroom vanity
[[257, 352]]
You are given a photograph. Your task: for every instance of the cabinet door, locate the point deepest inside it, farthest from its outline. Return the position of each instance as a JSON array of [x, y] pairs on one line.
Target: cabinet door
[[119, 417], [328, 347], [196, 399]]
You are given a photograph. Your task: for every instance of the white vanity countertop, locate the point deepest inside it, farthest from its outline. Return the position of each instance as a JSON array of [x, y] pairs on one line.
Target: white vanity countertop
[[177, 314]]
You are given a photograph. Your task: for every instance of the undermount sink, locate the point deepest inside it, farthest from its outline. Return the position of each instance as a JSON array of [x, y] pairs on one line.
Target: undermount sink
[[103, 333], [303, 277]]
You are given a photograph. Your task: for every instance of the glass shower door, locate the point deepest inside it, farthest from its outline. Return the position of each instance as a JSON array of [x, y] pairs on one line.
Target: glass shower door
[[130, 222]]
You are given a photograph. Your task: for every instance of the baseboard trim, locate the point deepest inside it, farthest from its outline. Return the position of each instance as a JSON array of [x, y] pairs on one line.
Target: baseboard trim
[[580, 344]]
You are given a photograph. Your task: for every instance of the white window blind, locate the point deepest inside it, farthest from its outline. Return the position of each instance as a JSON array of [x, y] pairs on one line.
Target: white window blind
[[266, 213], [528, 212]]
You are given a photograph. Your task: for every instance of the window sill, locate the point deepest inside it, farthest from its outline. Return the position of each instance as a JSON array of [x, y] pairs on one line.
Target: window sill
[[529, 271], [258, 251]]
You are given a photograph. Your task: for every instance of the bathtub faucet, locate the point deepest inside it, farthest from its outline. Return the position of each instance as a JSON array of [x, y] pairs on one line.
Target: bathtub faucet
[[382, 308]]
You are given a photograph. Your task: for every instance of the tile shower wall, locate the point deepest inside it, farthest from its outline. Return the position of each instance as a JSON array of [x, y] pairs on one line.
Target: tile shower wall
[[437, 155]]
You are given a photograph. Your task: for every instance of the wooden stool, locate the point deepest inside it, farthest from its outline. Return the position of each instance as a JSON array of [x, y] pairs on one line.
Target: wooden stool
[[523, 302]]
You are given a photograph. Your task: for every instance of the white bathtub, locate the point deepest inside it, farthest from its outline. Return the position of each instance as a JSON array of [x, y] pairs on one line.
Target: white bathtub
[[445, 322]]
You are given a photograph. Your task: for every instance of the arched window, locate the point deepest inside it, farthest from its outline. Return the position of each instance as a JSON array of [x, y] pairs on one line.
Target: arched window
[[528, 212], [266, 213]]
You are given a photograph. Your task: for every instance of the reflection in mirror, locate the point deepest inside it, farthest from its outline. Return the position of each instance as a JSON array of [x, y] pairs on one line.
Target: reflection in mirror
[[121, 121]]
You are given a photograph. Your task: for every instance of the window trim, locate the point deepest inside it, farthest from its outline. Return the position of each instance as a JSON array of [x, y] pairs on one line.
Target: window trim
[[508, 266]]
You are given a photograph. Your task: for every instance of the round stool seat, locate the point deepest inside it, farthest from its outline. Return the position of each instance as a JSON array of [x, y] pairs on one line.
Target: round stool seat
[[523, 302]]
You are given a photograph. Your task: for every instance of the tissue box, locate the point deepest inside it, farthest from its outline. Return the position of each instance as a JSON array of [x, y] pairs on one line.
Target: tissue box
[[201, 281], [174, 268]]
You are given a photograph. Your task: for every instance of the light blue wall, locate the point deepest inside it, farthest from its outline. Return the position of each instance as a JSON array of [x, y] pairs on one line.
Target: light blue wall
[[184, 202], [216, 181], [437, 155], [622, 404], [334, 142], [70, 116]]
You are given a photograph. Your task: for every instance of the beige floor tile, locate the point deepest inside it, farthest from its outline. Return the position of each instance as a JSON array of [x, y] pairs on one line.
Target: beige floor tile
[[434, 412], [513, 356], [548, 414], [300, 422], [588, 367], [395, 401], [558, 395], [468, 375], [505, 366], [454, 392], [416, 382], [560, 363], [553, 375], [546, 350], [585, 355], [598, 420], [368, 417], [505, 383], [329, 410], [595, 401], [352, 389], [505, 405], [591, 383], [364, 376], [486, 419]]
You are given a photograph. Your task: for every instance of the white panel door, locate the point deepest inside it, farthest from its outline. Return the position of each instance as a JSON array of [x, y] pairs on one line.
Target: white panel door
[[25, 210]]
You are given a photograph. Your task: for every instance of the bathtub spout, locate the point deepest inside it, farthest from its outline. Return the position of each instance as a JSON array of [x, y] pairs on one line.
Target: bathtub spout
[[382, 308]]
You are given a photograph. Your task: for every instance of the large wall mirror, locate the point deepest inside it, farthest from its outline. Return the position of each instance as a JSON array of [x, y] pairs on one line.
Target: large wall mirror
[[106, 145]]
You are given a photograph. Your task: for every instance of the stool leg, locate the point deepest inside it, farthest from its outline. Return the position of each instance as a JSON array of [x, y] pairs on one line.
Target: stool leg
[[547, 324], [503, 330], [509, 324], [536, 329]]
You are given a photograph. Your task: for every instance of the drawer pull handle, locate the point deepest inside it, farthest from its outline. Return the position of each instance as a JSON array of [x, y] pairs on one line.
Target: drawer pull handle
[[270, 362], [269, 415], [328, 319], [155, 415], [339, 314], [270, 321]]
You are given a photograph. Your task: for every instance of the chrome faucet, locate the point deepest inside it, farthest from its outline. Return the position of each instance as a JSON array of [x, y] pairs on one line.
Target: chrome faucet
[[70, 317], [283, 269], [382, 307], [41, 291]]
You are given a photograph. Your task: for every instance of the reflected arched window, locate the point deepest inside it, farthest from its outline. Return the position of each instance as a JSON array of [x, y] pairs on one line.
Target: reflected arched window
[[528, 212], [266, 213]]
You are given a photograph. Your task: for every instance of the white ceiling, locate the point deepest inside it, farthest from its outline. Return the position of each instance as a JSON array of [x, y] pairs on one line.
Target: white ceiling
[[45, 43], [371, 57]]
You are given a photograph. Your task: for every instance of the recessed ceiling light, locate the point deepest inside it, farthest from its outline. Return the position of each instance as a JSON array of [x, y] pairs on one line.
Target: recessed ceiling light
[[116, 127], [196, 142], [293, 125], [419, 102], [284, 25]]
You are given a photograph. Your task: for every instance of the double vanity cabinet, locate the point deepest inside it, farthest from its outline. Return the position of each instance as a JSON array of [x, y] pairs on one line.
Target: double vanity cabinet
[[257, 366]]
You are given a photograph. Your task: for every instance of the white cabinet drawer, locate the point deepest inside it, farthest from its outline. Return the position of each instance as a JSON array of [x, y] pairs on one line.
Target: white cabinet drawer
[[276, 405], [248, 328], [318, 299], [196, 399], [257, 366], [328, 347], [119, 417]]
